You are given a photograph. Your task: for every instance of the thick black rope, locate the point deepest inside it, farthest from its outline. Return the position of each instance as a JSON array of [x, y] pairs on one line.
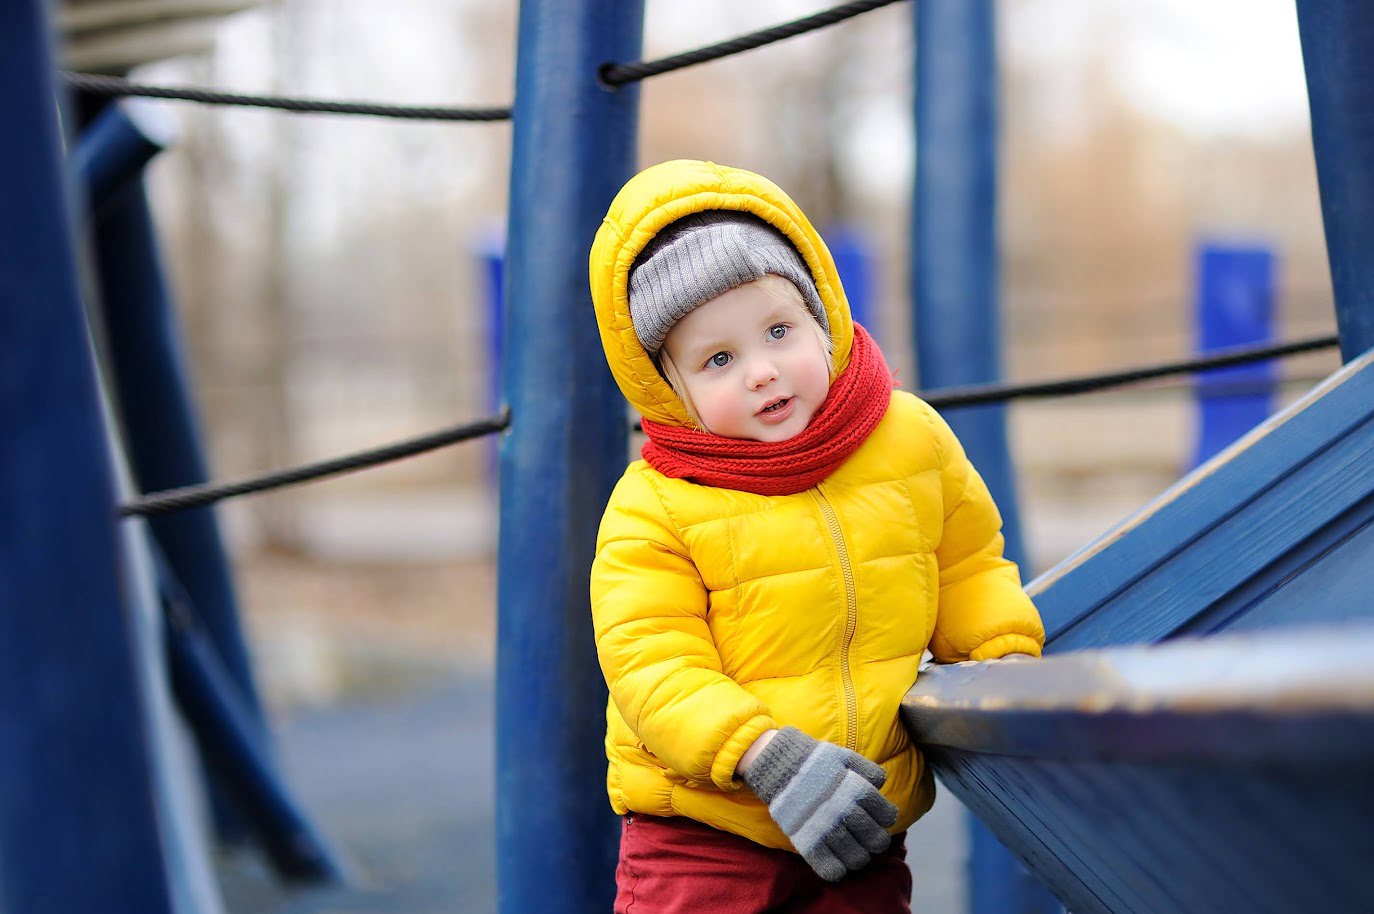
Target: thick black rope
[[980, 394], [114, 86], [977, 394], [611, 74], [618, 74], [946, 398], [207, 493]]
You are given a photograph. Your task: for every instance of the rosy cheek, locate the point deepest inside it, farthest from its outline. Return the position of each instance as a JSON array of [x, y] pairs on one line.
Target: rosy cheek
[[715, 402], [716, 409]]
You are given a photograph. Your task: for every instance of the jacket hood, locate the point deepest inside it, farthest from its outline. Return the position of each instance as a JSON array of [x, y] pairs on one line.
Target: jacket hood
[[646, 204]]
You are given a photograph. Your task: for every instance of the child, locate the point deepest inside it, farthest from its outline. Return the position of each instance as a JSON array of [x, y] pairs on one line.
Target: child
[[768, 577]]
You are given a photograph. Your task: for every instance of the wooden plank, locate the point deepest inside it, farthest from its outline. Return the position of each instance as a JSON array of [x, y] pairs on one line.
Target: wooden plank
[[1226, 773], [1324, 582], [1172, 839], [1264, 504], [1244, 698], [1034, 834]]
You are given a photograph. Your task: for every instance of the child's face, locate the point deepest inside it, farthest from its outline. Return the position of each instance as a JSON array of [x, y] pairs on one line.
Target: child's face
[[752, 365]]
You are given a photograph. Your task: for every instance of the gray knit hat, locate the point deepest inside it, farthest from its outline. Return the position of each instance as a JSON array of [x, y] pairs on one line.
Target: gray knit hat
[[704, 255]]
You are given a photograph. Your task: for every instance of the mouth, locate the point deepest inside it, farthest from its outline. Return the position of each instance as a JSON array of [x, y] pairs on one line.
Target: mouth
[[775, 406]]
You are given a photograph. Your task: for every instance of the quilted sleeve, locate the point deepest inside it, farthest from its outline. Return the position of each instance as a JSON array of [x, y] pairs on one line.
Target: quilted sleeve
[[656, 651], [983, 612]]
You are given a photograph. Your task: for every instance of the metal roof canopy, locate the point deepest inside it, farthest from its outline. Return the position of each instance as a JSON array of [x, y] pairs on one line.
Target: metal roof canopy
[[114, 36]]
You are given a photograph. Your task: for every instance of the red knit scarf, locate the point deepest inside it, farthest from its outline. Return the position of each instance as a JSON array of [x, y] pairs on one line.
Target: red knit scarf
[[856, 402]]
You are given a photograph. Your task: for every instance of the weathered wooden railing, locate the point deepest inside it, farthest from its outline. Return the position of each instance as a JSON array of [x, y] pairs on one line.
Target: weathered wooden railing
[[1276, 531], [1227, 774]]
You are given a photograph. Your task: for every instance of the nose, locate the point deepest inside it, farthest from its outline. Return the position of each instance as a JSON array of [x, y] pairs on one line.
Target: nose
[[762, 371]]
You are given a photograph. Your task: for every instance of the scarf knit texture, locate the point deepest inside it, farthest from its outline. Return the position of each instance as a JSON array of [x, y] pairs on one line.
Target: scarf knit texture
[[852, 408]]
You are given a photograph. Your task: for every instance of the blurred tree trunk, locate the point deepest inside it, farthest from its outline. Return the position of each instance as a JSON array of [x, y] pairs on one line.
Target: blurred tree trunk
[[275, 445]]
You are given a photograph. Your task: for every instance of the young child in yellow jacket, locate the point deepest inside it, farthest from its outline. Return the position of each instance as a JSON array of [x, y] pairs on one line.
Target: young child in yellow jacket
[[769, 576]]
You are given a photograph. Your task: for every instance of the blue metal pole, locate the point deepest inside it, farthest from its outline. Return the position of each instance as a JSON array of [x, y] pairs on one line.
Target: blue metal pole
[[227, 735], [156, 409], [1338, 54], [574, 145], [114, 147], [954, 235], [954, 294], [79, 827]]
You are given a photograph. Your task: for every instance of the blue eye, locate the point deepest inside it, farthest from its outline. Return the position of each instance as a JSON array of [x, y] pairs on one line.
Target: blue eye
[[720, 359], [777, 331]]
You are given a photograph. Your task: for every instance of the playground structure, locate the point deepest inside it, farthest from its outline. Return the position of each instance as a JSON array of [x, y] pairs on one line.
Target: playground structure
[[86, 676]]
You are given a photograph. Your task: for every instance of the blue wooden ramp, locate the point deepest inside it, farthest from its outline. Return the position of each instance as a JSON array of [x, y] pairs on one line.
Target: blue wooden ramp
[[1273, 531], [1227, 774], [1187, 778]]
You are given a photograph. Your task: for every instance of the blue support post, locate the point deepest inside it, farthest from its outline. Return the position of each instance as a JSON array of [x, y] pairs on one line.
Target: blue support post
[[79, 824], [227, 735], [156, 409], [1234, 306], [153, 399], [115, 145], [573, 147], [1338, 54], [954, 294]]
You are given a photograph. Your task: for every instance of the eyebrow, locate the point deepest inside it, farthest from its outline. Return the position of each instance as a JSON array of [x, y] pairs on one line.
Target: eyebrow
[[777, 311], [786, 309], [698, 353]]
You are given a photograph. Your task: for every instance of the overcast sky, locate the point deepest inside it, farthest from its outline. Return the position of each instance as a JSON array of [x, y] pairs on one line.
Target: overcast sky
[[1213, 67]]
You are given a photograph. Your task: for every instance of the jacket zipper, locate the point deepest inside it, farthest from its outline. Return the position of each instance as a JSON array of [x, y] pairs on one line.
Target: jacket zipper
[[851, 623]]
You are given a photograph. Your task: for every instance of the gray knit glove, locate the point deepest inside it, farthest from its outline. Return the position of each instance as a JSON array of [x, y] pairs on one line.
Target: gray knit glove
[[825, 798]]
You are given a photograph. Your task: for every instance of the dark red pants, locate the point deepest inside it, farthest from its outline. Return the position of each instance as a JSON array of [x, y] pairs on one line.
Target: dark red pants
[[679, 866]]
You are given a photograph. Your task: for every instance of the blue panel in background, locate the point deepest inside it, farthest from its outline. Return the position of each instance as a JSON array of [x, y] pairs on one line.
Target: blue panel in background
[[492, 256], [1234, 306], [852, 252]]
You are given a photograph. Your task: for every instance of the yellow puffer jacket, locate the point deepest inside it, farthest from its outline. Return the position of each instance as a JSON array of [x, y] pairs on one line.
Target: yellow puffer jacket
[[721, 614]]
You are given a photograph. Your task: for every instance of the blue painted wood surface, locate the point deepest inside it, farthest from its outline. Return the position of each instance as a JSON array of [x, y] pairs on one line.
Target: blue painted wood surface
[[1219, 774], [1240, 537], [574, 145], [79, 823], [1273, 532], [1338, 55]]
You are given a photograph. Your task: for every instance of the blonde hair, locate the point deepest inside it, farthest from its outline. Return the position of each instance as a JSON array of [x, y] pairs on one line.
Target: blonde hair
[[777, 288]]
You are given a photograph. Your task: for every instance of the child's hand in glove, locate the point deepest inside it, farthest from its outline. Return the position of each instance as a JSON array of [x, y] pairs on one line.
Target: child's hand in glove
[[826, 800]]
